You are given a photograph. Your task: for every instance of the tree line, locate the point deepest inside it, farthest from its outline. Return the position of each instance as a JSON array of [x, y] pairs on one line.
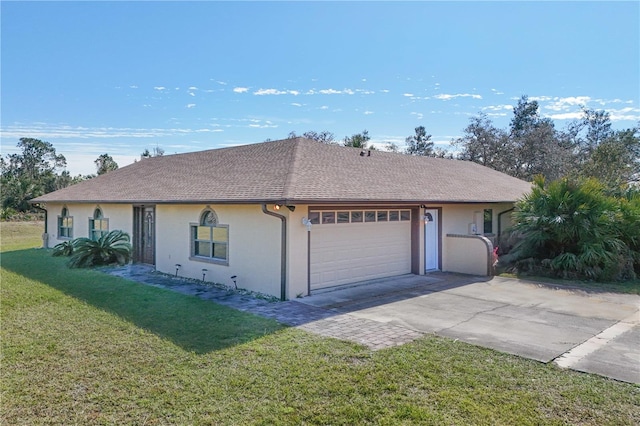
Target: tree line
[[530, 146], [38, 169]]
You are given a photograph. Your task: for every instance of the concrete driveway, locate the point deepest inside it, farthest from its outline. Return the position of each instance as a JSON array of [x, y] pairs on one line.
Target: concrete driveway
[[585, 331]]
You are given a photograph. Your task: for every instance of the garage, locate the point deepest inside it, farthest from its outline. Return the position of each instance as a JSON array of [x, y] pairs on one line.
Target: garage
[[349, 246]]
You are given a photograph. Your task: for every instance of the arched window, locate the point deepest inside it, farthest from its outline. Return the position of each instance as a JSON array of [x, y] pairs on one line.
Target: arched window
[[209, 239], [65, 224], [98, 225]]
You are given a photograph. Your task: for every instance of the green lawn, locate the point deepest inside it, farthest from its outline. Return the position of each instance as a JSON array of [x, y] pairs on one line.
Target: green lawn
[[80, 347]]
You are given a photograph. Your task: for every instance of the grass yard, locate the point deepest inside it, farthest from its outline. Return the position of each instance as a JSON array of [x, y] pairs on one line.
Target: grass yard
[[81, 347]]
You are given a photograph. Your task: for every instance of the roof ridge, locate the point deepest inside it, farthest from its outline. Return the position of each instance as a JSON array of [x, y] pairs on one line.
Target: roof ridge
[[291, 170]]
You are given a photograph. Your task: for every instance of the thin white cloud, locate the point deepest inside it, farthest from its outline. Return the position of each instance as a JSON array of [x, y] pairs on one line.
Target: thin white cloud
[[240, 89], [64, 131], [330, 92], [265, 92], [133, 86], [263, 126], [418, 115], [566, 115], [448, 97], [368, 112], [191, 105], [193, 88], [385, 90], [191, 94], [295, 104], [497, 107], [160, 88], [562, 104], [408, 95], [536, 98], [497, 92], [324, 107]]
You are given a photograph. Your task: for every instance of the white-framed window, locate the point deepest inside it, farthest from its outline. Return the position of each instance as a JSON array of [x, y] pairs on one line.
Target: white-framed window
[[98, 225], [65, 224], [209, 239], [329, 217]]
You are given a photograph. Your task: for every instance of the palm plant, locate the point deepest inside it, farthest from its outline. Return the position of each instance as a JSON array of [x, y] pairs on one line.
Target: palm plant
[[573, 230], [112, 247], [65, 248]]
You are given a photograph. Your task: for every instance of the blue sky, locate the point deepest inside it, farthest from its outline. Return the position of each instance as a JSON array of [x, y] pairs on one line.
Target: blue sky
[[119, 77]]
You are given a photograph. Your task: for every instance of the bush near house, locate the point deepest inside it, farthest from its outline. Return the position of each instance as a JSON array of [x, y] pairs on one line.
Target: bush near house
[[576, 229], [112, 247]]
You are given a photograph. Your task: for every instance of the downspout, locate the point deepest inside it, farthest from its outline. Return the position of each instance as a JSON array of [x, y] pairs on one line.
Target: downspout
[[46, 225], [283, 255], [500, 221]]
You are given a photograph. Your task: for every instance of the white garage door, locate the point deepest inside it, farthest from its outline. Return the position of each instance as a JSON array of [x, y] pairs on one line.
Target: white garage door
[[359, 245]]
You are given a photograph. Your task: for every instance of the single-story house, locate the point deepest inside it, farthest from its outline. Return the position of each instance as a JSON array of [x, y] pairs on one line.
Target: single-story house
[[289, 217]]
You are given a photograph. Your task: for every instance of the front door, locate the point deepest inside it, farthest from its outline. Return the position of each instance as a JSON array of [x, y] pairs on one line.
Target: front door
[[144, 234], [430, 239]]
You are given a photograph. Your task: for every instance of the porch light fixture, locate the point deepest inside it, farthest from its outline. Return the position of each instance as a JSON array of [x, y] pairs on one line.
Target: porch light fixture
[[233, 278], [291, 208], [277, 207], [178, 266], [422, 206], [204, 272]]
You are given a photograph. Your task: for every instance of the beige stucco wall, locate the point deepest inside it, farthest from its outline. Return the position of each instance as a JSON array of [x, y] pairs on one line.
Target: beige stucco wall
[[467, 255], [254, 241], [254, 246], [297, 266], [120, 217], [455, 219]]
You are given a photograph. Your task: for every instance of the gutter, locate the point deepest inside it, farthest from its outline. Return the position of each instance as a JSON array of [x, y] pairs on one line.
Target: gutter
[[283, 254], [500, 221]]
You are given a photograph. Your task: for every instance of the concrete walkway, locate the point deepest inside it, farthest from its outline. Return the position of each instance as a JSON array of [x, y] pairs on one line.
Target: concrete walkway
[[320, 320], [595, 333]]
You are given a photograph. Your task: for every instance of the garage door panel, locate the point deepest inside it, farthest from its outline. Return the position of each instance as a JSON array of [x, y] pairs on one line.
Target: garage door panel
[[346, 253]]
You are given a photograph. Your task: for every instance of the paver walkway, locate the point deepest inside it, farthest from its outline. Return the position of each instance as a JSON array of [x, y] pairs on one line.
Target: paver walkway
[[325, 322]]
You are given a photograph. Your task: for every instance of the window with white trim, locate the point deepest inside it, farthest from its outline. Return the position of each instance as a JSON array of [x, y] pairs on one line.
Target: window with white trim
[[329, 217], [65, 224], [98, 225], [209, 239]]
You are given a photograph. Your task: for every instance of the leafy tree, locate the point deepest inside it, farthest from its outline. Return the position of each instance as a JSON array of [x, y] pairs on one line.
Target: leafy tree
[[616, 160], [574, 229], [358, 140], [485, 144], [420, 143], [598, 126], [534, 144], [30, 173], [105, 163], [155, 152], [325, 136], [391, 147]]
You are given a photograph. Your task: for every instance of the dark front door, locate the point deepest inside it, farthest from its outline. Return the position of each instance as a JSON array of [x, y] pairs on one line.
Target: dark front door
[[144, 234]]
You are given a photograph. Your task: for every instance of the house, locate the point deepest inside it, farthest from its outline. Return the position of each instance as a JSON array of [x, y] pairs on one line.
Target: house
[[289, 217]]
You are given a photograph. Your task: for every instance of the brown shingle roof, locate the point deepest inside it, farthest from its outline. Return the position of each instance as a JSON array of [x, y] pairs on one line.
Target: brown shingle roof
[[294, 171]]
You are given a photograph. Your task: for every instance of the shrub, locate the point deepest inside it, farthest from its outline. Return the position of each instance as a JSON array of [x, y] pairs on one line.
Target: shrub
[[65, 248], [113, 247], [574, 229]]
